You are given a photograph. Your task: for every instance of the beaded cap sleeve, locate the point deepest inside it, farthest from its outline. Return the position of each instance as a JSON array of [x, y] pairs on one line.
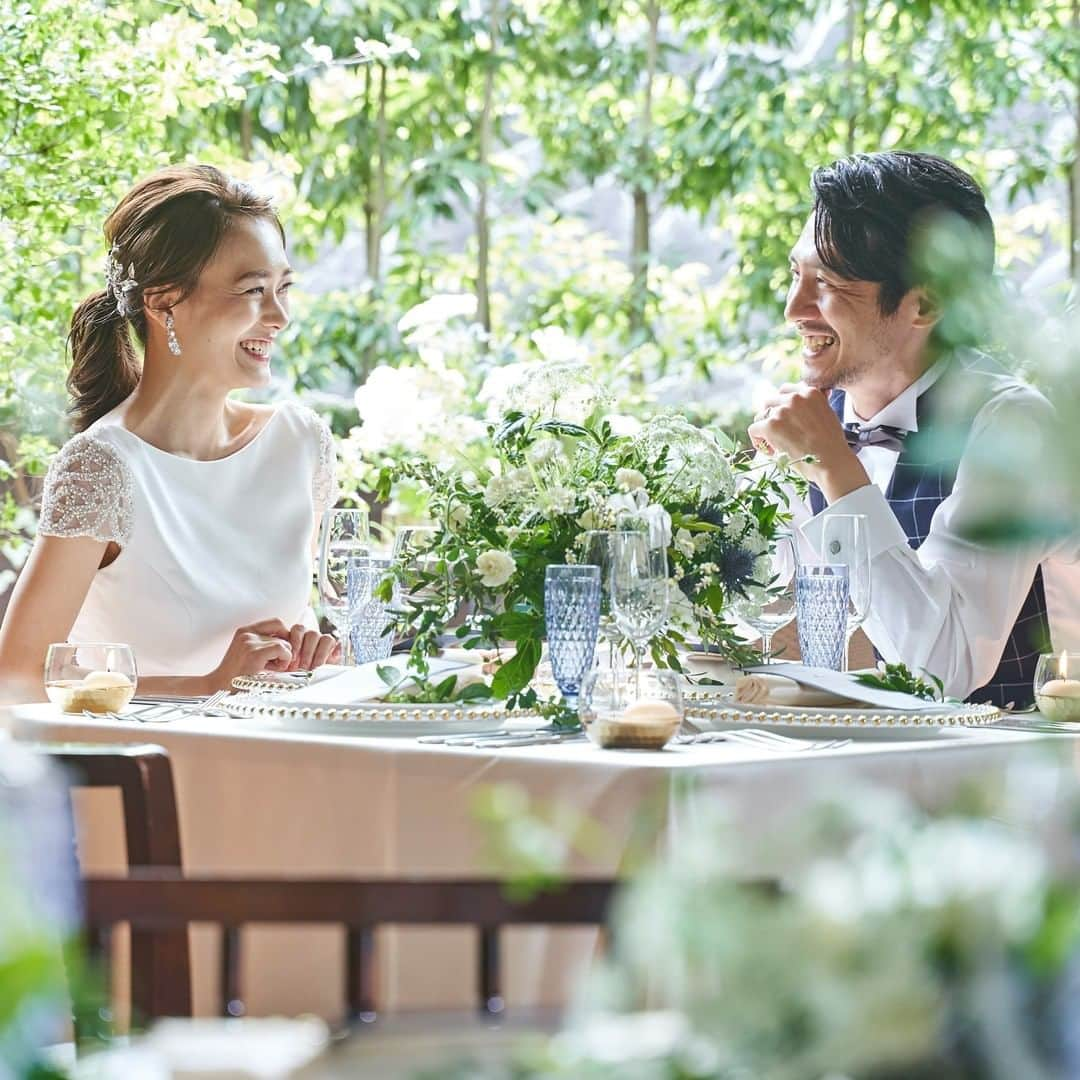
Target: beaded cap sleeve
[[88, 492], [324, 485]]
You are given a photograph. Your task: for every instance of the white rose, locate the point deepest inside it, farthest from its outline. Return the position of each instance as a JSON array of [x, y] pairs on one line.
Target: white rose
[[495, 568], [496, 492], [629, 479], [684, 543], [458, 516], [588, 520]]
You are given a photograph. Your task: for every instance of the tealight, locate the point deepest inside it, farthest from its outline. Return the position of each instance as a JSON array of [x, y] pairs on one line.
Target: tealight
[[650, 711], [1058, 697], [97, 691]]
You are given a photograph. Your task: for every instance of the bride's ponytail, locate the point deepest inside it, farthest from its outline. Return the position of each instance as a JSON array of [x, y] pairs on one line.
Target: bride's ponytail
[[104, 367]]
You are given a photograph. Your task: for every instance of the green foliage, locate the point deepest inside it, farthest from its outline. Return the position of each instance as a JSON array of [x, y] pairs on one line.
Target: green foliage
[[89, 91], [380, 119], [899, 678]]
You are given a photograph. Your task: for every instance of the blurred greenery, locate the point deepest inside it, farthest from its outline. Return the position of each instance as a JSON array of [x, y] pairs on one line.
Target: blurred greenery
[[631, 172]]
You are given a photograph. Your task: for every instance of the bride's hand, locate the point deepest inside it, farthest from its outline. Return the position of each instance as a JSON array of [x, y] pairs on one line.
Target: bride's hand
[[310, 649], [262, 646]]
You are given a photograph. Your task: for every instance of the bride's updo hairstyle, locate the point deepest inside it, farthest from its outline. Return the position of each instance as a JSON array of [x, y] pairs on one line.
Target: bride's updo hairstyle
[[160, 236]]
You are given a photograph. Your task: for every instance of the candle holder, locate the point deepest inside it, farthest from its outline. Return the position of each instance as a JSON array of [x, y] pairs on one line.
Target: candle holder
[[628, 710], [1057, 687]]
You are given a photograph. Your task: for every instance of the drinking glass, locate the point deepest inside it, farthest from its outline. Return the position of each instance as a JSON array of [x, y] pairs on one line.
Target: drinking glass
[[772, 609], [821, 601], [639, 589], [642, 713], [370, 617], [598, 548], [1057, 689], [572, 618], [845, 539], [343, 535], [99, 677]]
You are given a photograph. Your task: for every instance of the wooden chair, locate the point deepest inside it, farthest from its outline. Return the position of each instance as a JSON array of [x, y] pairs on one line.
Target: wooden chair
[[157, 899], [160, 960]]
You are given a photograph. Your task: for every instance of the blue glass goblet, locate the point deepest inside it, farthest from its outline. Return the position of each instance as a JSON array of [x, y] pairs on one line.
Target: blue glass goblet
[[572, 616]]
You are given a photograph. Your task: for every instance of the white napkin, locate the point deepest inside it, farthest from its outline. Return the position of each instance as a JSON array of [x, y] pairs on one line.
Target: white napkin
[[842, 685], [762, 689], [333, 685]]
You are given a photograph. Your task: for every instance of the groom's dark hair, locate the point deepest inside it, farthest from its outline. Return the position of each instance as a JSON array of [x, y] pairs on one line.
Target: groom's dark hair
[[869, 208]]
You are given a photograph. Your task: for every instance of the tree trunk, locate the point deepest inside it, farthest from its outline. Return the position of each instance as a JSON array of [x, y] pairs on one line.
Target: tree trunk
[[378, 185], [483, 224], [371, 223], [640, 241]]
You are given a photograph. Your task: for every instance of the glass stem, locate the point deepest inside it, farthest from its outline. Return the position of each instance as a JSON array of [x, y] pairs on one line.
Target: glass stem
[[766, 648], [637, 667], [847, 650]]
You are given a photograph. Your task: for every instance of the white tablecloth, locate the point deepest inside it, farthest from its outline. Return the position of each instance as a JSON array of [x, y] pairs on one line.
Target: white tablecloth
[[253, 802]]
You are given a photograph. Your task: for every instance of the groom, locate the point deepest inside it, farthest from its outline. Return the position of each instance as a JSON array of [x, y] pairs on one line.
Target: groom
[[975, 616]]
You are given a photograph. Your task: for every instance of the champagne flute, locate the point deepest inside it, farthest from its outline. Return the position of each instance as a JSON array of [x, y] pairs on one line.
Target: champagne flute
[[343, 535], [845, 539], [772, 608], [639, 590]]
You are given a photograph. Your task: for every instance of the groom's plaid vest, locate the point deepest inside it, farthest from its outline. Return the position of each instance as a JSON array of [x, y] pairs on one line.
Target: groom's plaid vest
[[915, 492]]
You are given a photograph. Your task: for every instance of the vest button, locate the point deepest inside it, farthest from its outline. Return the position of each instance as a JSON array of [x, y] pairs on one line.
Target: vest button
[[834, 547]]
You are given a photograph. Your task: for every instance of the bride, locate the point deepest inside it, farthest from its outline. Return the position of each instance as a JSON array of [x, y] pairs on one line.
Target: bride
[[178, 520]]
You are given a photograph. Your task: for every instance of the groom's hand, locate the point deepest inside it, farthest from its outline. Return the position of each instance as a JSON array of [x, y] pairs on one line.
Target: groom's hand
[[798, 421]]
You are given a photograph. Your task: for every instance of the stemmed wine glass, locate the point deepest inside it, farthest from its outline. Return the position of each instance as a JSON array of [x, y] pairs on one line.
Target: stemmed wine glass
[[343, 536], [845, 540], [599, 547], [639, 590], [772, 609]]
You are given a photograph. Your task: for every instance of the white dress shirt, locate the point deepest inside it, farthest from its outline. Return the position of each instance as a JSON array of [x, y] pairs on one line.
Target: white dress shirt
[[950, 607]]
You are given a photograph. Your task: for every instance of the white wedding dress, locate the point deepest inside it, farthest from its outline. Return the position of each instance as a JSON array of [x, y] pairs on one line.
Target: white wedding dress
[[206, 546]]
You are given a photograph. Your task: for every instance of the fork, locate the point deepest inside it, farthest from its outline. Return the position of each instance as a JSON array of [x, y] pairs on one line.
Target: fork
[[767, 740], [163, 713]]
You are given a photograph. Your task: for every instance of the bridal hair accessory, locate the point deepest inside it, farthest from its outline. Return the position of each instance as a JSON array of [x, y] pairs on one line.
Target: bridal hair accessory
[[122, 289], [170, 334]]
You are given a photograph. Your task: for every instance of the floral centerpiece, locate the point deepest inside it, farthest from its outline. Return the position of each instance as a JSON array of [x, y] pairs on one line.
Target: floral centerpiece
[[548, 480]]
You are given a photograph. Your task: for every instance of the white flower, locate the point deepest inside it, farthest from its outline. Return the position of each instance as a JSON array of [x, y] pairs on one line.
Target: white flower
[[497, 492], [458, 516], [520, 480], [495, 568], [558, 500], [588, 520], [629, 479], [684, 543], [544, 450]]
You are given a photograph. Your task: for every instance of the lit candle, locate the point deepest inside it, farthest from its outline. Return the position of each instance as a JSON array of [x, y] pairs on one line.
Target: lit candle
[[1059, 699]]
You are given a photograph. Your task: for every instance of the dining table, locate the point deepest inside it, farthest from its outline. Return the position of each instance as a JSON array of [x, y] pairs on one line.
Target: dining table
[[258, 799]]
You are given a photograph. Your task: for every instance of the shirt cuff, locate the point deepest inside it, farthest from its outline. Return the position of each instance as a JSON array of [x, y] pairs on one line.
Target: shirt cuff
[[883, 530]]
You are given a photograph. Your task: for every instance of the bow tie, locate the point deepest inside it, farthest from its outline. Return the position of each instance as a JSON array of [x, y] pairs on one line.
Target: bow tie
[[891, 438]]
